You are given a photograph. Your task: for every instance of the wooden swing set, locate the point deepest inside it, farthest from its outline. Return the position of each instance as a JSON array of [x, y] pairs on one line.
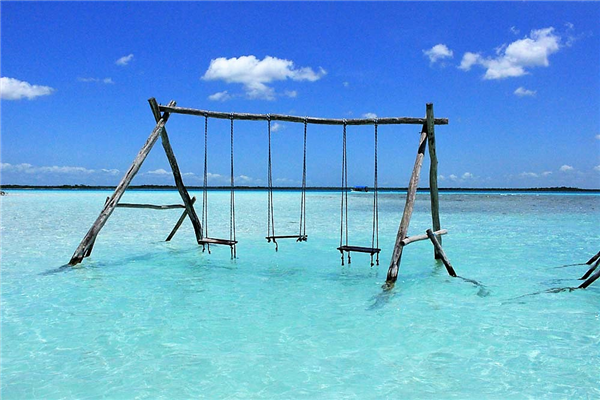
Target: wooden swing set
[[161, 115]]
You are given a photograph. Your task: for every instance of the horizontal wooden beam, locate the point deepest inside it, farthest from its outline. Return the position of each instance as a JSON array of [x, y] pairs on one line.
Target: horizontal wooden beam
[[292, 118], [417, 238], [152, 206]]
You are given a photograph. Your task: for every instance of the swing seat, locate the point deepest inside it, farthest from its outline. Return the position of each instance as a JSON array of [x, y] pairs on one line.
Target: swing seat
[[359, 249], [299, 238], [215, 241]]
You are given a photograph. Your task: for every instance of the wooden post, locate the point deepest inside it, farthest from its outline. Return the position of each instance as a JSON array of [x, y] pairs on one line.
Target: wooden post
[[91, 247], [433, 175], [439, 249], [411, 193], [590, 280], [189, 207], [88, 240], [589, 272], [591, 260], [179, 222]]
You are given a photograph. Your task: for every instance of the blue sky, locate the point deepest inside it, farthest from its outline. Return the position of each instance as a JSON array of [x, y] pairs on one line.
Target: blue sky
[[519, 82]]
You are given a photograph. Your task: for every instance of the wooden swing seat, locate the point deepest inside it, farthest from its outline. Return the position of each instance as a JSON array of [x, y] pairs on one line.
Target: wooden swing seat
[[359, 249], [299, 238], [215, 241]]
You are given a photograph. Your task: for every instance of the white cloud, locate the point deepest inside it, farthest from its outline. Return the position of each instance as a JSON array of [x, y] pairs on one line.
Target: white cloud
[[369, 115], [123, 61], [65, 170], [160, 171], [255, 74], [438, 52], [14, 89], [522, 92], [566, 168], [291, 93], [598, 137], [597, 168], [220, 96], [528, 175], [97, 80], [453, 177], [467, 175], [514, 59], [546, 173], [275, 127], [514, 30]]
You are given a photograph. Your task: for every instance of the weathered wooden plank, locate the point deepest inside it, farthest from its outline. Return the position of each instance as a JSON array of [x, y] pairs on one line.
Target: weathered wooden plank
[[424, 236], [292, 118], [591, 260], [443, 257], [589, 271], [83, 250], [411, 193], [433, 175], [177, 176], [151, 206], [91, 246], [590, 280], [179, 222]]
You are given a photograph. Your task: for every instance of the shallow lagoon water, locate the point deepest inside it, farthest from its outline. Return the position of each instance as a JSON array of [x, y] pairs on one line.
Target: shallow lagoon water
[[143, 318]]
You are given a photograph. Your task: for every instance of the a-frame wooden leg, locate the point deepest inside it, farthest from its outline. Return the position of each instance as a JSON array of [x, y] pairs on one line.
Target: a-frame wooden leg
[[411, 193], [84, 248], [433, 176], [189, 207]]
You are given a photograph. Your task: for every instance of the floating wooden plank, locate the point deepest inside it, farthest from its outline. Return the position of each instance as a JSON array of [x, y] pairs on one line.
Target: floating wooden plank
[[433, 175], [411, 193], [177, 175], [151, 206], [179, 222], [84, 248], [424, 236], [292, 118], [443, 257]]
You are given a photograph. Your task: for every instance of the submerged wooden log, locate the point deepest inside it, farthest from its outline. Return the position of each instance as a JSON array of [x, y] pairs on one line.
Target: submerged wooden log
[[589, 271], [83, 250], [411, 193], [441, 252], [292, 118], [424, 236], [591, 260], [179, 222], [433, 175]]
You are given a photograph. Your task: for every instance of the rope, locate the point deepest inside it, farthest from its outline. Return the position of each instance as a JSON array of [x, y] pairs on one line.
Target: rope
[[344, 201], [375, 234], [205, 186], [303, 197], [232, 199], [270, 213]]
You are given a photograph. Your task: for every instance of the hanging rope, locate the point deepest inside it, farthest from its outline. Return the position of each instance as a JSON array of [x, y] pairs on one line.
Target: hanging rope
[[375, 235], [205, 185], [270, 214], [344, 202], [232, 200], [302, 233]]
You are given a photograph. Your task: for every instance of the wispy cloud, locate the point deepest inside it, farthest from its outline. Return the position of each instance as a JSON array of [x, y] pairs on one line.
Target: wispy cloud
[[566, 168], [255, 74], [125, 60], [220, 96], [437, 53], [522, 92], [516, 58], [14, 89], [107, 81], [369, 115], [65, 170]]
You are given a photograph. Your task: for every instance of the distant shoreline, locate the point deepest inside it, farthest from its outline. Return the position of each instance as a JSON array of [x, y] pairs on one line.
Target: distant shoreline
[[561, 189]]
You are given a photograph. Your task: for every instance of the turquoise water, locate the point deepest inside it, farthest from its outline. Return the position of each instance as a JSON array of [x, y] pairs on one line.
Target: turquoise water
[[143, 318]]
